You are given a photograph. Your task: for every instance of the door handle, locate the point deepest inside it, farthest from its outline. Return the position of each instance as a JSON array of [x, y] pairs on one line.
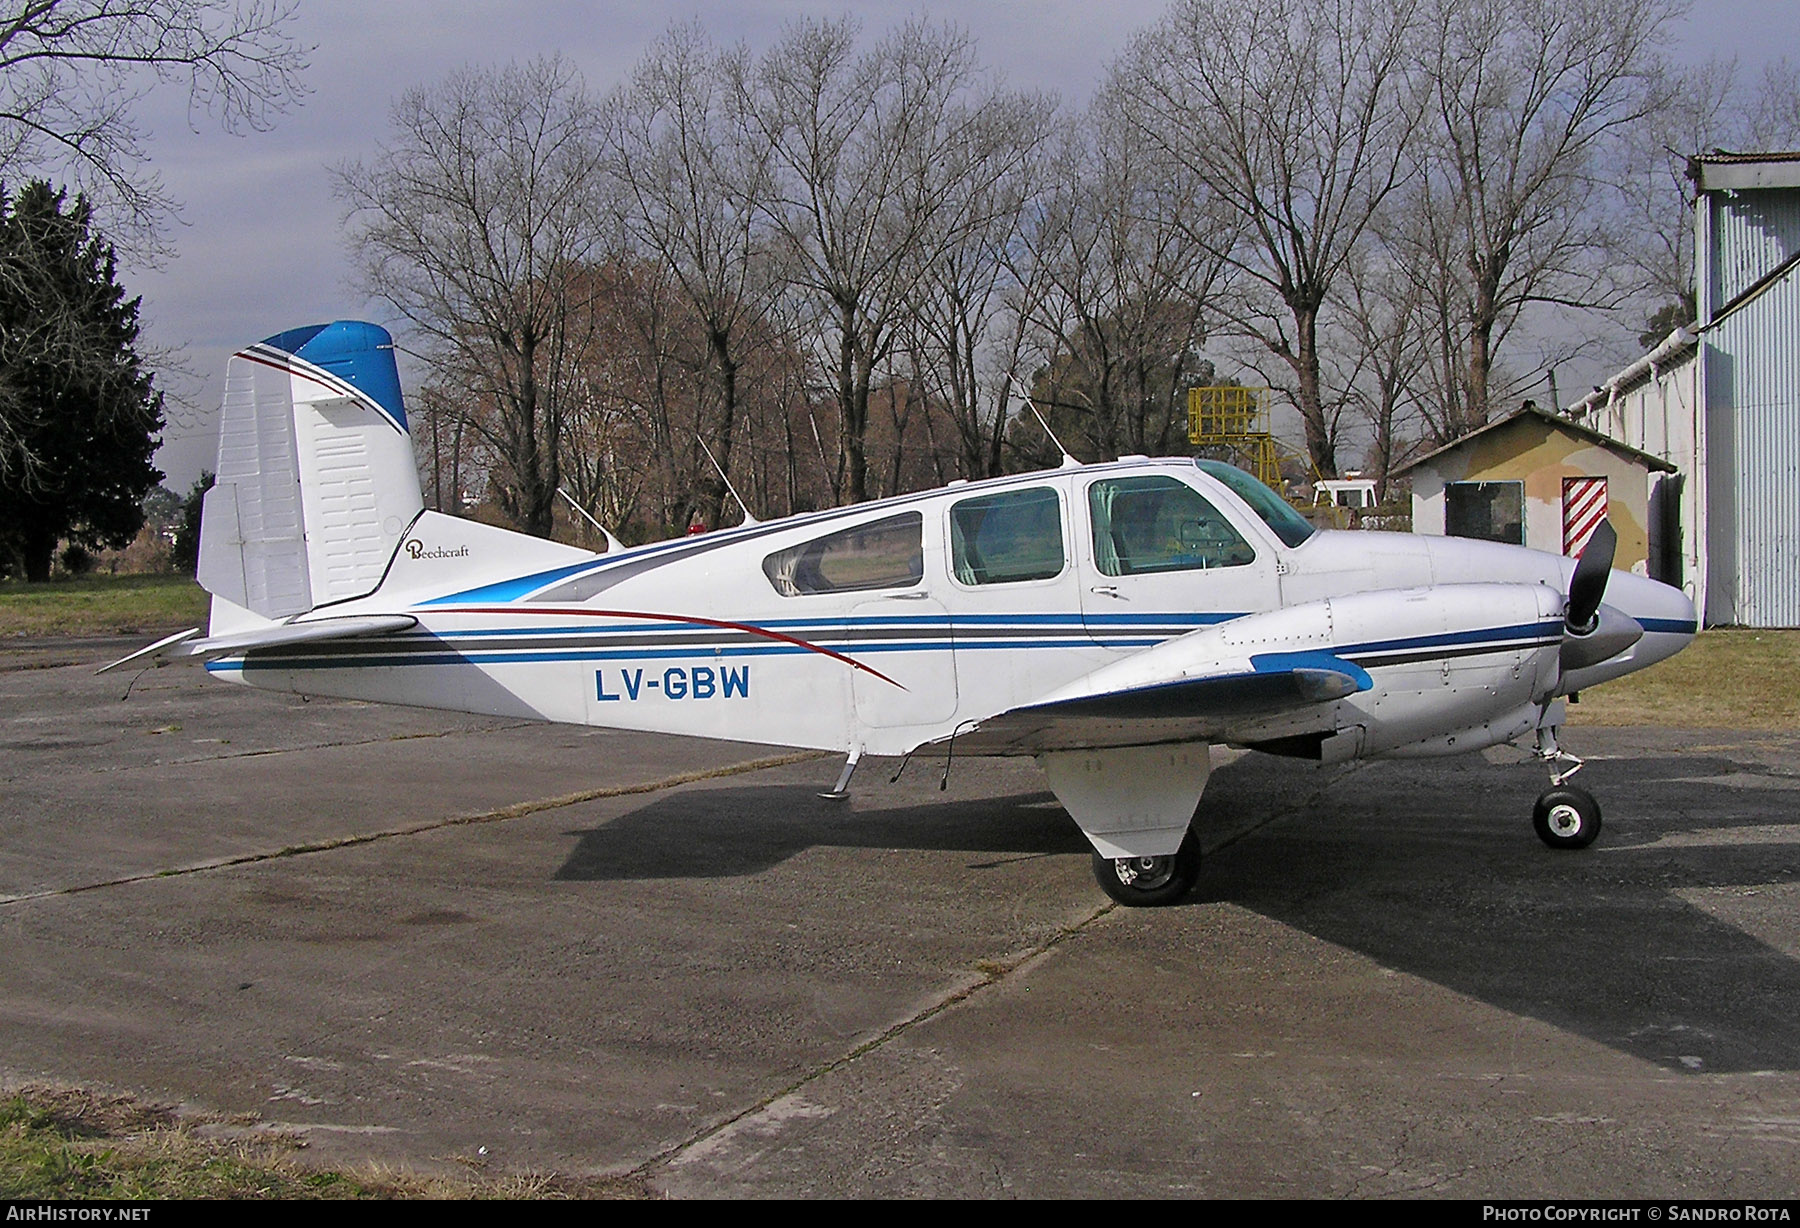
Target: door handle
[[1107, 590]]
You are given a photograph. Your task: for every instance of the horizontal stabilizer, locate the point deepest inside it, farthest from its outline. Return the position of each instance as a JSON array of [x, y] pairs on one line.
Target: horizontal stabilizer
[[154, 653], [281, 635]]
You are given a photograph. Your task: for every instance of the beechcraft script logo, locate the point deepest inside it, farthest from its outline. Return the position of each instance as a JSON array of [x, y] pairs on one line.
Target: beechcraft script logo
[[419, 550]]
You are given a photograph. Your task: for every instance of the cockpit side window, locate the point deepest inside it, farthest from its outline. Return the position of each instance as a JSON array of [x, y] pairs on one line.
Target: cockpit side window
[[1158, 523], [1007, 537], [885, 553]]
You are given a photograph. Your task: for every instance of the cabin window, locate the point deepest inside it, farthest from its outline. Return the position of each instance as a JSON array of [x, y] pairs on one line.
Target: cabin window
[[1007, 537], [1150, 524], [1486, 511], [880, 554]]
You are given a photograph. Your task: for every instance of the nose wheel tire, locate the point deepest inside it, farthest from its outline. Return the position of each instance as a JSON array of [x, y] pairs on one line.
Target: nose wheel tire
[[1566, 817], [1146, 882]]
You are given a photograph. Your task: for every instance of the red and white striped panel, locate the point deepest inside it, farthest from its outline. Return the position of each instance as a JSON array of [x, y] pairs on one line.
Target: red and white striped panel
[[1584, 507]]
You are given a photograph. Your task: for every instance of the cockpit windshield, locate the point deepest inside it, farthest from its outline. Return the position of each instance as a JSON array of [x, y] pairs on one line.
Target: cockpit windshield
[[1289, 525]]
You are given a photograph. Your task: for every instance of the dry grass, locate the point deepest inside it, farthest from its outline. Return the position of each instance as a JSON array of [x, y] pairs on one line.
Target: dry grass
[[1725, 679], [58, 1143], [102, 605]]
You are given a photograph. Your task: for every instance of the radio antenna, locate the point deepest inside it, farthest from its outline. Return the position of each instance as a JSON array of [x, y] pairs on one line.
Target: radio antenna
[[612, 543], [742, 506], [1068, 462]]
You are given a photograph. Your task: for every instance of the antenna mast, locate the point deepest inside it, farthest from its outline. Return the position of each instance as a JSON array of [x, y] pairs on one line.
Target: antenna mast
[[742, 506], [612, 543], [1068, 462]]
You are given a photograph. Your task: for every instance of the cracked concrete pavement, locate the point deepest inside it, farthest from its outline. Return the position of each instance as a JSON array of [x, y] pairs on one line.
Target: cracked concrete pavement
[[409, 936]]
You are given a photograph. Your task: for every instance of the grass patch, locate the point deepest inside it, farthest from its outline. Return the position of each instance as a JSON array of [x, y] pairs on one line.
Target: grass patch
[[1727, 679], [101, 605], [59, 1143]]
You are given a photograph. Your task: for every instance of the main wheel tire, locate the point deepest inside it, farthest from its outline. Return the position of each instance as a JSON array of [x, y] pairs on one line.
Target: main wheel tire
[[1147, 882], [1566, 817]]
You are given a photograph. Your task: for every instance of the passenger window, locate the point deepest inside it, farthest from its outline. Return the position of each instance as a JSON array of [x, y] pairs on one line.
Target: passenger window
[[881, 554], [1004, 538], [1151, 524]]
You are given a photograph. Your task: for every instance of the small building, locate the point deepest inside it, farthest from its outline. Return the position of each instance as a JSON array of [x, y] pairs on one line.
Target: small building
[[1721, 401], [1357, 493], [1537, 479]]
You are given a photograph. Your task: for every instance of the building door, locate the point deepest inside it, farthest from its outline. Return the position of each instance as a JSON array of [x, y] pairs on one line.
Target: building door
[[1584, 507]]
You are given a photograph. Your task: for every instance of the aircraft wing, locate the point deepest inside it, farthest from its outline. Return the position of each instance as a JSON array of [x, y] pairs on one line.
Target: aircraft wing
[[183, 643], [1206, 708]]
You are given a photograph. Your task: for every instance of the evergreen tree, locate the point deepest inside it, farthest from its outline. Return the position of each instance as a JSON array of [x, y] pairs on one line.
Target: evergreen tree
[[186, 551], [78, 412]]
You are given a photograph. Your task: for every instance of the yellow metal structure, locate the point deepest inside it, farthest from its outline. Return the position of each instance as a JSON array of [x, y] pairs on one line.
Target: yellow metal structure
[[1236, 420]]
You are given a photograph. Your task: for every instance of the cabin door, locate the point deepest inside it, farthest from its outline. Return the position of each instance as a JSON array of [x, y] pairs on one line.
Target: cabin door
[[906, 671], [1159, 560]]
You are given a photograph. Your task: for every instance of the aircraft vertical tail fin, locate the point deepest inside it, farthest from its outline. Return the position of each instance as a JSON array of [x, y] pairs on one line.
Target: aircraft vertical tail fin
[[316, 482]]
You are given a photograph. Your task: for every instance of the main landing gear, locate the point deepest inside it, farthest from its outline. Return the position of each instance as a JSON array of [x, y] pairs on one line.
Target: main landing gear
[[1146, 882], [1566, 816]]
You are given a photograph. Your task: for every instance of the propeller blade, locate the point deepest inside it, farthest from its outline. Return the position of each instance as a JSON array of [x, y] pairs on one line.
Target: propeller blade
[[1588, 585]]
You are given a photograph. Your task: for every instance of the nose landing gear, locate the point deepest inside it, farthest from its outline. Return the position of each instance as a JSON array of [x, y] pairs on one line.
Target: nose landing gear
[[1566, 816]]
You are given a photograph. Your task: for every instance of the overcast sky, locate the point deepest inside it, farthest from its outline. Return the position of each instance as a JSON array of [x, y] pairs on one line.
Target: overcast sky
[[259, 248]]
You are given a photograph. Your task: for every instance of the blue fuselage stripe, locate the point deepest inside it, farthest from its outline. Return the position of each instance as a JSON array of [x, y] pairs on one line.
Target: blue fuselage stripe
[[363, 654]]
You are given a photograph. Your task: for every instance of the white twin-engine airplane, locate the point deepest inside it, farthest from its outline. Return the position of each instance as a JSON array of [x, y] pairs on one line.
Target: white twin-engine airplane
[[1113, 621]]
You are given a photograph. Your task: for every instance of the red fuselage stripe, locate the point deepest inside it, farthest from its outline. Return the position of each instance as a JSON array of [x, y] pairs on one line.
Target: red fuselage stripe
[[749, 628]]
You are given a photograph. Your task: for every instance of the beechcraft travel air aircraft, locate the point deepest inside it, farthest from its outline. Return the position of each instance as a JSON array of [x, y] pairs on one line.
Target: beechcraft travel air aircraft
[[1113, 621]]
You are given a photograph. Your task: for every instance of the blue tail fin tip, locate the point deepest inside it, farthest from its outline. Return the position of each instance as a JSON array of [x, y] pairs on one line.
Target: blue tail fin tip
[[359, 353]]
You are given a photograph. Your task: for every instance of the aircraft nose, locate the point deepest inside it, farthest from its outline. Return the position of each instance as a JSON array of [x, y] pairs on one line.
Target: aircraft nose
[[1665, 613]]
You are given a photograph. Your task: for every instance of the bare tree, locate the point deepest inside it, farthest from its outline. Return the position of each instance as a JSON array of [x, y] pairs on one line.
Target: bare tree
[[1294, 113], [1775, 112], [1704, 107], [970, 309], [1130, 253], [1383, 352], [866, 150], [639, 459], [1526, 96], [479, 222], [693, 177], [72, 71]]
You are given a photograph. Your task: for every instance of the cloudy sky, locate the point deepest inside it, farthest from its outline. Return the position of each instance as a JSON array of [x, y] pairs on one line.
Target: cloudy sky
[[259, 250]]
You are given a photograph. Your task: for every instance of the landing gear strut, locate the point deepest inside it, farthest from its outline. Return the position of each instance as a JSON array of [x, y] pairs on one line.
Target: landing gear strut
[[1565, 817], [1146, 882]]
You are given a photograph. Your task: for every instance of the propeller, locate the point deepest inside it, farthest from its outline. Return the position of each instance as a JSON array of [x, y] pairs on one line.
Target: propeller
[[1593, 632], [1588, 585]]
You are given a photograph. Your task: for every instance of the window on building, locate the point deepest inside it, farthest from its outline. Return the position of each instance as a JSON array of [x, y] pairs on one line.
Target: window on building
[[881, 554], [1007, 537], [1486, 511], [1150, 524]]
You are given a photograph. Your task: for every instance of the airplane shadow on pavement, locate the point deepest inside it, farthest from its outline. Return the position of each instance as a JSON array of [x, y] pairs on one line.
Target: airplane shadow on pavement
[[1651, 942]]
